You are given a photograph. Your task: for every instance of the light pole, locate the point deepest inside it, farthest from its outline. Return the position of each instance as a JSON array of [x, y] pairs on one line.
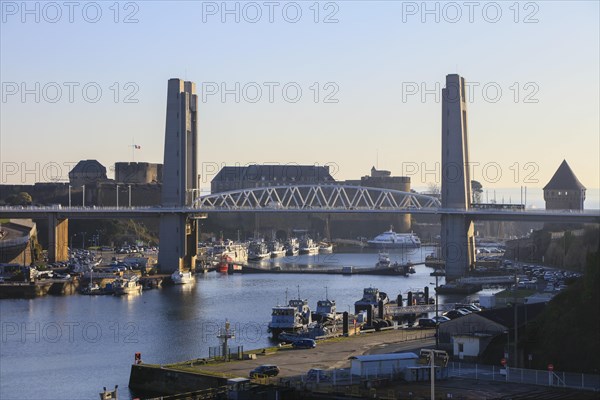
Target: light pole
[[117, 190], [129, 196], [432, 354], [69, 195], [83, 240], [507, 352], [83, 194], [437, 321]]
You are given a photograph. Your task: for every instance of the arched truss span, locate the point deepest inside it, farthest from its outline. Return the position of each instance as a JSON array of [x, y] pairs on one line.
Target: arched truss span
[[336, 198]]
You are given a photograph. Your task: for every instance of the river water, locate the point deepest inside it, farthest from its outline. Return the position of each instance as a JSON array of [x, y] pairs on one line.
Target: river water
[[69, 347]]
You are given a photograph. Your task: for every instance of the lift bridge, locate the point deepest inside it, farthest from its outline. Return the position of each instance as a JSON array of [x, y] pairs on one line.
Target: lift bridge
[[182, 204]]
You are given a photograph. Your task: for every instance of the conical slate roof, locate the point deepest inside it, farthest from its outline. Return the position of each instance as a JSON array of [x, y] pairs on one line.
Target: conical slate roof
[[564, 179]]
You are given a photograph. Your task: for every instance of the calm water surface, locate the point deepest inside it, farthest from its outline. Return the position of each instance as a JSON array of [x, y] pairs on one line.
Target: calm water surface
[[70, 347]]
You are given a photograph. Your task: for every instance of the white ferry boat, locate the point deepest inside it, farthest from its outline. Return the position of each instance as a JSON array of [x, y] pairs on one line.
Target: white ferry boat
[[393, 240]]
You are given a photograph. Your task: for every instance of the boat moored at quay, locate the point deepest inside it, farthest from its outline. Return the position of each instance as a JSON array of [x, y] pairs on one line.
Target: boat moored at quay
[[291, 318], [308, 246], [258, 250]]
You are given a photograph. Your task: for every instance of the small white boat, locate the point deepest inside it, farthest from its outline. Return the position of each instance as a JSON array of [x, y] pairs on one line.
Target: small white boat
[[383, 261], [127, 285], [181, 278]]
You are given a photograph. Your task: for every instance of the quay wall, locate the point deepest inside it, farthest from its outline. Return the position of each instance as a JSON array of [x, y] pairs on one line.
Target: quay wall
[[163, 381]]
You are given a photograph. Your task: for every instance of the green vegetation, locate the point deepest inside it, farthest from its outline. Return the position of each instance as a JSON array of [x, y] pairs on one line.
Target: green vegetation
[[567, 333], [19, 199]]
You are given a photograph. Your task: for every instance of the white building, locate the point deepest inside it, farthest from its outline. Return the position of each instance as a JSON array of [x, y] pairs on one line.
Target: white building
[[470, 345], [382, 364]]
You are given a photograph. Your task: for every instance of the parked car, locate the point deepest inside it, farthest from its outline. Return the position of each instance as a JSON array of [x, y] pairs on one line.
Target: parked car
[[441, 319], [304, 344], [264, 370], [465, 311], [470, 307], [427, 323], [317, 375], [453, 314]]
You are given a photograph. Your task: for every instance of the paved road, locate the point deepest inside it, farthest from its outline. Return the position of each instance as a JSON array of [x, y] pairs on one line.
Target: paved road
[[330, 354]]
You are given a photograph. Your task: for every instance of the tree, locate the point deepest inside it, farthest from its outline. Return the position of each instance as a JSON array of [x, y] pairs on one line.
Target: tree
[[477, 190], [433, 188], [21, 199]]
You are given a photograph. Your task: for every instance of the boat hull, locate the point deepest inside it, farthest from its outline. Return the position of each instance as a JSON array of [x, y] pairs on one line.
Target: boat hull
[[392, 245]]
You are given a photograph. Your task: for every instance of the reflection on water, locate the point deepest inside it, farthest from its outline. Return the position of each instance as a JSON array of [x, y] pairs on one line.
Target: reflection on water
[[75, 345]]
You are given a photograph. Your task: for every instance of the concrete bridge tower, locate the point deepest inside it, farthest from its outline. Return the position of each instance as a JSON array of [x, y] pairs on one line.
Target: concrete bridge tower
[[458, 242], [178, 233]]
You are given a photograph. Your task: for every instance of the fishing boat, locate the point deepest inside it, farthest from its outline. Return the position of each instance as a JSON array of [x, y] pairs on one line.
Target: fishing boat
[[224, 262], [92, 288], [292, 247], [325, 247], [383, 260], [276, 249], [308, 246], [257, 251], [127, 285], [371, 298], [292, 318]]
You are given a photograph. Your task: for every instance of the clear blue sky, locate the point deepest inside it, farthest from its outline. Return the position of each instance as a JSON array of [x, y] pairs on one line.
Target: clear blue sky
[[373, 55]]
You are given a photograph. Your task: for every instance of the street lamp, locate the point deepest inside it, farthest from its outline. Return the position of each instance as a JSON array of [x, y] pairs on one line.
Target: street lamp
[[83, 194], [129, 196], [117, 189], [437, 321], [69, 195]]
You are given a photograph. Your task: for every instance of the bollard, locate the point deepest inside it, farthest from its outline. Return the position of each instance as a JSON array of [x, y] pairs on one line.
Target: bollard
[[345, 323]]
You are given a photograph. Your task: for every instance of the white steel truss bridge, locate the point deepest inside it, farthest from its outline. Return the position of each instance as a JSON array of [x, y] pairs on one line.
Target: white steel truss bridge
[[318, 198]]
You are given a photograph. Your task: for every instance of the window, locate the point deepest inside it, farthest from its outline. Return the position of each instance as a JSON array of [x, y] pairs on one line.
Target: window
[[461, 347]]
